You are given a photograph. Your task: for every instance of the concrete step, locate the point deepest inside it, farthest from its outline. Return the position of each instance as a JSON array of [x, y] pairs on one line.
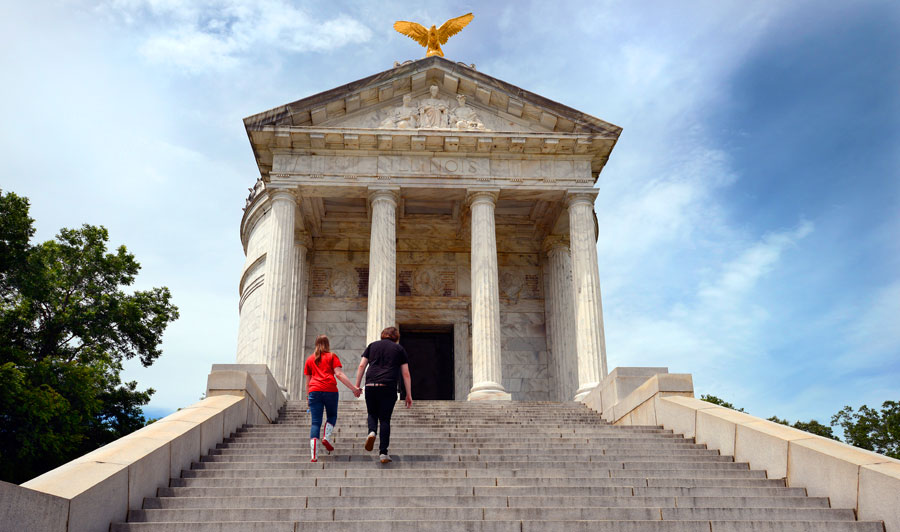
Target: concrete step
[[468, 453], [461, 469], [471, 487], [477, 500], [331, 478], [504, 526], [374, 468], [490, 513], [524, 453], [406, 439], [513, 467], [493, 430], [352, 447]]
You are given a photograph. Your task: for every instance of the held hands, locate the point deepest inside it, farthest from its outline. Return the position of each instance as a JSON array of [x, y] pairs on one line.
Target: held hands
[[357, 391]]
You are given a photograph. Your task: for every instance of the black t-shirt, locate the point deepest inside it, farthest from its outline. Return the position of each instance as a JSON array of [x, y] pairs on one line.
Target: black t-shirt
[[385, 358]]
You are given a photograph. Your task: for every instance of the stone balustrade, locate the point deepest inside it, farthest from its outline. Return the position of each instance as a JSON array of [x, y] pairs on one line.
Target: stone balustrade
[[850, 477]]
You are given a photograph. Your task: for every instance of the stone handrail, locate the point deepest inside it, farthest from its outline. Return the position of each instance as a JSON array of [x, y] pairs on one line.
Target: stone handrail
[[850, 477], [90, 492]]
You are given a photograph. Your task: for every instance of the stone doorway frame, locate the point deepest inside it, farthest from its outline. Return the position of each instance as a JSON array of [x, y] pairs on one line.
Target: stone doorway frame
[[462, 345], [414, 326]]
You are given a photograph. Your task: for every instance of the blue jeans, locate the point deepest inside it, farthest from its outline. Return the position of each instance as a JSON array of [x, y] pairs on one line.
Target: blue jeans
[[318, 400]]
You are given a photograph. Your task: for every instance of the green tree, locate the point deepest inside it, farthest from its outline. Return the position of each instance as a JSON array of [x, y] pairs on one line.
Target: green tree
[[721, 402], [66, 327], [811, 426], [870, 429]]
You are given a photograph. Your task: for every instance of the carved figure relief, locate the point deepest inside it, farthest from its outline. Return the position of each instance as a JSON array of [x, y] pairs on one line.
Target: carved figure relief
[[433, 113], [258, 187], [403, 117], [343, 282], [511, 284], [464, 117], [427, 283]]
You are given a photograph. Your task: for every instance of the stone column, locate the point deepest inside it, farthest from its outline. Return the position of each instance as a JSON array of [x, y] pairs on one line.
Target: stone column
[[382, 299], [589, 337], [486, 364], [561, 317], [297, 330], [280, 266]]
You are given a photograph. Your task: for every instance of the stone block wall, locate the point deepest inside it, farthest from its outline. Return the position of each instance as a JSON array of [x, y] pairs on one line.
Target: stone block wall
[[523, 346], [524, 353]]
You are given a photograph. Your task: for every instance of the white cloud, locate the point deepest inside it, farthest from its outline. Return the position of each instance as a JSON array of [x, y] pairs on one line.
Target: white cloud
[[740, 275], [220, 34], [720, 320], [872, 336]]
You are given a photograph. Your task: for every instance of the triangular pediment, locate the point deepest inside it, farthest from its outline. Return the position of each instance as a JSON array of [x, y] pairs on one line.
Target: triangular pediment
[[423, 111], [430, 97]]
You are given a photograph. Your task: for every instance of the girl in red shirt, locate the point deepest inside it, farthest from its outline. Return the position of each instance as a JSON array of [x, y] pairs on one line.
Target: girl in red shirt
[[321, 369]]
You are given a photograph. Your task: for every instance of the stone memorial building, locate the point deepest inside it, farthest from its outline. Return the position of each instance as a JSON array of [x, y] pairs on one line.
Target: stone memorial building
[[459, 208], [440, 200]]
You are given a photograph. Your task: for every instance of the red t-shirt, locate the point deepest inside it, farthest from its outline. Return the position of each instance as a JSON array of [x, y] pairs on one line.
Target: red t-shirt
[[321, 375]]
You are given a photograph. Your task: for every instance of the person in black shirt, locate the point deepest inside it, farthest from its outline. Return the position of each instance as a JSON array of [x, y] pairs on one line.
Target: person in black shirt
[[387, 362]]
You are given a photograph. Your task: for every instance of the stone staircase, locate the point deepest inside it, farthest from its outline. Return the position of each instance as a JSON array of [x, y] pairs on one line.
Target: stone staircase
[[519, 466]]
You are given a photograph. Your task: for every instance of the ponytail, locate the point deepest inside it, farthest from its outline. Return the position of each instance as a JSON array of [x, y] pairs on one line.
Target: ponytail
[[322, 346]]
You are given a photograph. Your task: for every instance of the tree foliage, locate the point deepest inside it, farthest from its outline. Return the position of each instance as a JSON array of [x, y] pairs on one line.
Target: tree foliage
[[812, 426], [721, 402], [870, 429], [66, 327]]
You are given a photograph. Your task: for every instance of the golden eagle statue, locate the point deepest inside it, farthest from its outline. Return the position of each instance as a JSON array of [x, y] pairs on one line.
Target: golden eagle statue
[[433, 38]]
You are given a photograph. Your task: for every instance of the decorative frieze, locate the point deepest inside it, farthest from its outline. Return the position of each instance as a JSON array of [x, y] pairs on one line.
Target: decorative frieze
[[373, 166]]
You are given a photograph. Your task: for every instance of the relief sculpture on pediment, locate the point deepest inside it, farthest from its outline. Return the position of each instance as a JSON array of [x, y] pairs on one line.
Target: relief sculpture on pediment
[[464, 117], [433, 113], [404, 117]]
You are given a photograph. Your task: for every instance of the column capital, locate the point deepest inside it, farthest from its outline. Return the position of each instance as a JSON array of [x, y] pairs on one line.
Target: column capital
[[554, 244], [302, 239], [581, 195], [384, 192], [482, 194], [279, 193]]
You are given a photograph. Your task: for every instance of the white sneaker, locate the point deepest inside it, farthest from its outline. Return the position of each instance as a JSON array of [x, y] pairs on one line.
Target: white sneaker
[[385, 458], [370, 441]]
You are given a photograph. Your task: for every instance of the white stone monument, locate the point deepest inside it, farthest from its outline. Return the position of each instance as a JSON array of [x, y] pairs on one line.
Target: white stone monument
[[440, 200]]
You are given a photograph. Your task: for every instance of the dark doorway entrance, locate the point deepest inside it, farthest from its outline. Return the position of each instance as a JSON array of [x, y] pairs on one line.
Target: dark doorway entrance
[[430, 349]]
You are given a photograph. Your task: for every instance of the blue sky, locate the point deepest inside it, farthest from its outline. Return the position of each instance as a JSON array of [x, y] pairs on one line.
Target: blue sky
[[749, 213]]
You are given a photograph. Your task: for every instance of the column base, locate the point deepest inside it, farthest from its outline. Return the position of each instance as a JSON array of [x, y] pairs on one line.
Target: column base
[[584, 391], [489, 391]]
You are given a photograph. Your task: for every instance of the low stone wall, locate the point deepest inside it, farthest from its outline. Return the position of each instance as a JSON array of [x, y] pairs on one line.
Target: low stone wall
[[850, 477], [90, 492]]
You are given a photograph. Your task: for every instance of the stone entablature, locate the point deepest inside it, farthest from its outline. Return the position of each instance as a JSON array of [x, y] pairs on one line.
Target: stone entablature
[[386, 112], [356, 169]]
